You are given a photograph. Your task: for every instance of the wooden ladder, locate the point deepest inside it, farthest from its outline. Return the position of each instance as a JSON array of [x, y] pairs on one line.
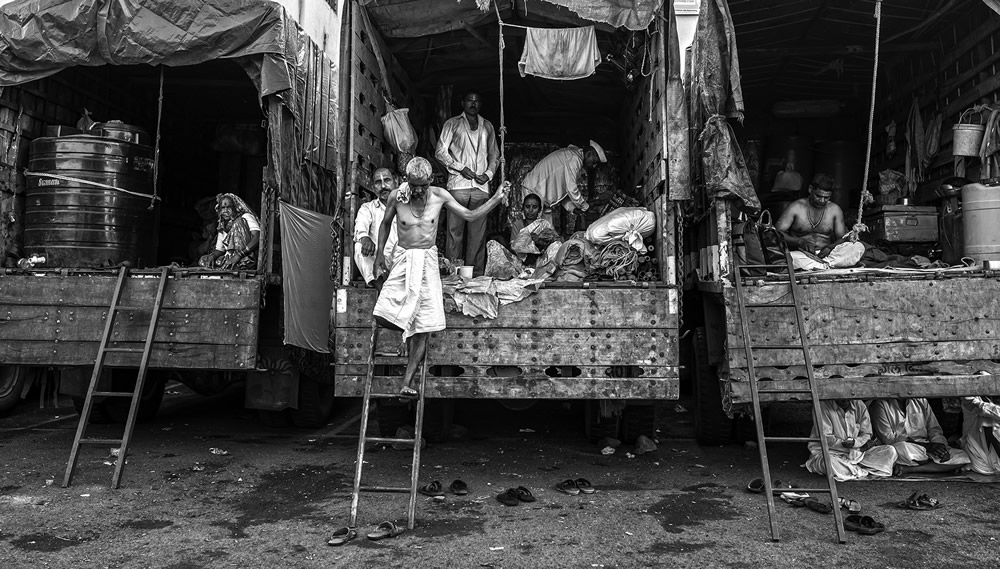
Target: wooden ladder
[[756, 391], [135, 395], [363, 437]]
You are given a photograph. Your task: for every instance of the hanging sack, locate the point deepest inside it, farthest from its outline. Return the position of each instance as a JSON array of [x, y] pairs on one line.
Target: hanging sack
[[398, 130], [757, 242]]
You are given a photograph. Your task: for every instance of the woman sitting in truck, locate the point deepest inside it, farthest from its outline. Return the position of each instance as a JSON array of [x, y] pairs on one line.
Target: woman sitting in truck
[[238, 236]]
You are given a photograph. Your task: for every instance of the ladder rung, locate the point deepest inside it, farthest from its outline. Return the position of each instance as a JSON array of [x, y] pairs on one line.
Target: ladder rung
[[383, 489], [782, 391], [770, 305], [114, 394], [133, 308], [124, 350], [388, 396], [801, 490], [388, 440], [791, 440], [779, 347], [100, 441]]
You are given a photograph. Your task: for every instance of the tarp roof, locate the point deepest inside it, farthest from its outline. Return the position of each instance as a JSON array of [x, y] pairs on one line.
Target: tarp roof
[[41, 37]]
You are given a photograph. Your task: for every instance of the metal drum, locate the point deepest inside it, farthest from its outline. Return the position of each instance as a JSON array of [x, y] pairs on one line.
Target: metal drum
[[75, 224]]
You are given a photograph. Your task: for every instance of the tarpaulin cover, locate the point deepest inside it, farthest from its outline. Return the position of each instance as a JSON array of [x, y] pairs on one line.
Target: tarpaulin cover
[[678, 144], [308, 290], [717, 94], [632, 14]]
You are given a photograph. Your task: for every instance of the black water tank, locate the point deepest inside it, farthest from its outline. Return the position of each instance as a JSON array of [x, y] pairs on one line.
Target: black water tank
[[76, 224]]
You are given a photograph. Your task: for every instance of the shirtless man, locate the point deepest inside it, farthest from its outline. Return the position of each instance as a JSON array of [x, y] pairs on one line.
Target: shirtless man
[[411, 298], [813, 224]]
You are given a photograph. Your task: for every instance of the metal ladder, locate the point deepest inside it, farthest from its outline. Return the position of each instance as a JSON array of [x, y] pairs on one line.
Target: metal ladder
[[756, 391], [363, 437], [135, 395]]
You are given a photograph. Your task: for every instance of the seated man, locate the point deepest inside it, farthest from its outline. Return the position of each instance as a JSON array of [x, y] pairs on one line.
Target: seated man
[[814, 227], [981, 434], [367, 223], [909, 425], [848, 428]]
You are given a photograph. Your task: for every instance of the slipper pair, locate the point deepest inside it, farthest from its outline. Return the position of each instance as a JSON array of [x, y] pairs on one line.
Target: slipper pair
[[809, 502], [852, 506], [435, 490], [864, 525], [382, 531], [918, 501], [514, 496], [575, 487]]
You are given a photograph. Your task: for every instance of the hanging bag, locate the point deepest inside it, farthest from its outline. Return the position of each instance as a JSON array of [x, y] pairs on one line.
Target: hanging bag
[[757, 242]]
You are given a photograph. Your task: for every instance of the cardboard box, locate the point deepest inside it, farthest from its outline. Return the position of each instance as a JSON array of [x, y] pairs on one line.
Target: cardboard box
[[902, 224]]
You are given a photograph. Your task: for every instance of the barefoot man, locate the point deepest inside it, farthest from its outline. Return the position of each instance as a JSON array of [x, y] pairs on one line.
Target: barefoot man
[[411, 298]]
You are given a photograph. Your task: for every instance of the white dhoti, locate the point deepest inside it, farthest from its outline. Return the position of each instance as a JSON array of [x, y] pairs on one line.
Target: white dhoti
[[912, 454], [842, 256], [876, 461], [411, 297]]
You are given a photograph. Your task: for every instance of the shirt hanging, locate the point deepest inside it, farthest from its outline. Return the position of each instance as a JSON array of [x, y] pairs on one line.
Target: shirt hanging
[[560, 53]]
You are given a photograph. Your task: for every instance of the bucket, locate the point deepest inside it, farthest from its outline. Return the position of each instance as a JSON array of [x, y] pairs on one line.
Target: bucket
[[968, 136], [981, 222], [73, 223]]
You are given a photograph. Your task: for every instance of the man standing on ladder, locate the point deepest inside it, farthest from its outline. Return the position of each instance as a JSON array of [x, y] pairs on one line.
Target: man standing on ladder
[[411, 298], [468, 148]]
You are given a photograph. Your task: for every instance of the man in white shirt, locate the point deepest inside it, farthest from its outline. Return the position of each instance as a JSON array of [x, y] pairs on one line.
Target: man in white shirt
[[848, 428], [468, 148], [367, 223], [909, 425], [553, 179], [981, 434]]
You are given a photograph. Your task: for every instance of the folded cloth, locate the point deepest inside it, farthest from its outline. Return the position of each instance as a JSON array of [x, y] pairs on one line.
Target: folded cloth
[[844, 255], [411, 297], [560, 53]]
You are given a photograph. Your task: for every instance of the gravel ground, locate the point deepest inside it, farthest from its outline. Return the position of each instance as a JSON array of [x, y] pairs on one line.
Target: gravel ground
[[276, 494]]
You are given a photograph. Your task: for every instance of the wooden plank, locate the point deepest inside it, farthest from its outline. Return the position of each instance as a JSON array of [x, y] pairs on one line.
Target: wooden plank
[[548, 308], [503, 346], [86, 324], [877, 387], [581, 373], [51, 289], [166, 356], [522, 388], [945, 367]]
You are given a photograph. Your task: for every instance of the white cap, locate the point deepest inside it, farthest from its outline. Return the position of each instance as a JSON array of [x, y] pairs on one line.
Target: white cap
[[600, 151]]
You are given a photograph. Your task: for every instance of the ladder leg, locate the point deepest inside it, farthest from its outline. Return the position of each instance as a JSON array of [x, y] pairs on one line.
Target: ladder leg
[[418, 435], [365, 408]]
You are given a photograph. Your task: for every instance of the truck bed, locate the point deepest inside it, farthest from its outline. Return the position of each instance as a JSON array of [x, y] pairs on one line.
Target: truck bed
[[558, 343], [57, 317], [871, 336]]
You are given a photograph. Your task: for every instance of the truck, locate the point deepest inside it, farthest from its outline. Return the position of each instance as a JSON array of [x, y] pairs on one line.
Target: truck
[[237, 103]]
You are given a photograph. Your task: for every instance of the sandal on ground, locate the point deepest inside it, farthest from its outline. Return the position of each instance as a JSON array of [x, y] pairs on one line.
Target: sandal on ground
[[433, 489], [817, 506], [868, 526], [852, 506], [459, 488], [918, 501], [584, 485], [508, 497], [756, 486], [408, 392], [342, 536], [927, 502], [794, 498], [852, 522], [384, 530], [568, 486], [523, 494]]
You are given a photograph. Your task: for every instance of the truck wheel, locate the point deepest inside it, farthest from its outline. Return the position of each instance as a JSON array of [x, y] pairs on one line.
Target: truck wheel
[[315, 403], [711, 425], [12, 380], [149, 402], [597, 427]]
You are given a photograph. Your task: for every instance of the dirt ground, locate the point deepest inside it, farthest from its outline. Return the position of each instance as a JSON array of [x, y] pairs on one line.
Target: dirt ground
[[274, 495]]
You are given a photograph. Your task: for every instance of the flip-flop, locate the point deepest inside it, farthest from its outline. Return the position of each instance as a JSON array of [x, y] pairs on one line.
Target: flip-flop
[[408, 392], [342, 536], [868, 526], [568, 486], [793, 498], [459, 488], [584, 486], [384, 530], [508, 497], [523, 494], [927, 502], [756, 486], [852, 522], [433, 489], [817, 506], [852, 506], [914, 502]]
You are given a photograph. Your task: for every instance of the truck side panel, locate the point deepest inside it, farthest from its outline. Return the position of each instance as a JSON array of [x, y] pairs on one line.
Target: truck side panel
[[55, 319]]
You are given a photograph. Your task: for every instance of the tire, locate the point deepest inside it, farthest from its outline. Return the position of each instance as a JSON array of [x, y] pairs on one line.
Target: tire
[[712, 426], [274, 419], [597, 427], [12, 379], [149, 403], [205, 382], [315, 404]]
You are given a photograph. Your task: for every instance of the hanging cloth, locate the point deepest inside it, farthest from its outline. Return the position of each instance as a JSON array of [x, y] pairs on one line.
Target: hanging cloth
[[560, 53]]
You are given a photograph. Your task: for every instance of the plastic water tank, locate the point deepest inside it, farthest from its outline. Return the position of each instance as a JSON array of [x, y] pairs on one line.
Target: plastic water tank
[[981, 222]]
